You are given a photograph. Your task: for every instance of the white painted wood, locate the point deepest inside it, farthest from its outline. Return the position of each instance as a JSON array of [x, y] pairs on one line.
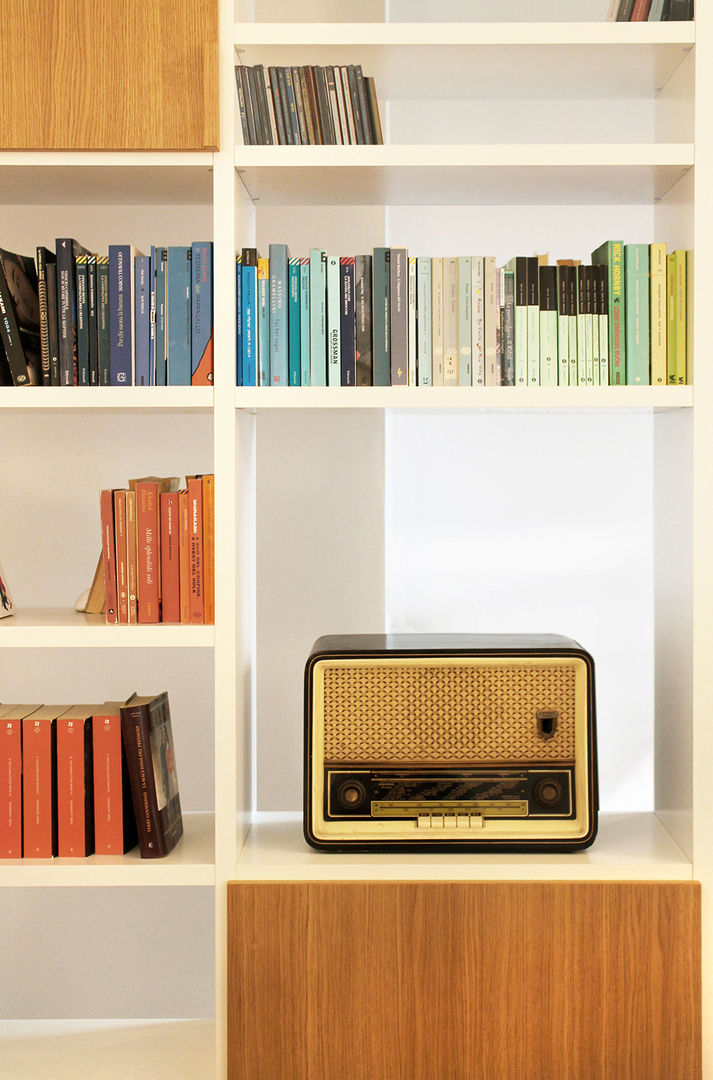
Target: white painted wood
[[63, 628], [146, 399]]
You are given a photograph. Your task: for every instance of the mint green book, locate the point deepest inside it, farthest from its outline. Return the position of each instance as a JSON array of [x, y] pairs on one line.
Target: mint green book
[[381, 318], [334, 347], [533, 321], [318, 316], [572, 309], [637, 323], [305, 328], [465, 321], [424, 321], [588, 326], [581, 332], [611, 255], [518, 265], [450, 322]]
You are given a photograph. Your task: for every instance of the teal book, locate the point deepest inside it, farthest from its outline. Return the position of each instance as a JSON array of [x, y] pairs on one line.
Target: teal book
[[202, 313], [334, 312], [293, 322], [318, 316], [637, 322], [263, 322], [305, 328], [611, 255], [423, 321], [279, 342], [178, 315], [381, 322], [518, 265]]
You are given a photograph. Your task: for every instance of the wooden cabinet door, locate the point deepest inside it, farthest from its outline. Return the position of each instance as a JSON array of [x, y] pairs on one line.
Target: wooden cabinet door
[[123, 75], [464, 981]]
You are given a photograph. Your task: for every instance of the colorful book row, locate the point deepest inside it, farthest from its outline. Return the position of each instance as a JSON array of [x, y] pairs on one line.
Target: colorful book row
[[88, 779], [307, 106], [650, 11], [158, 551], [120, 319], [394, 319]]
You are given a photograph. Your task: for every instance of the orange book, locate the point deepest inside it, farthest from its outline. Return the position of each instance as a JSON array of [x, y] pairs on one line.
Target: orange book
[[184, 560], [209, 548], [148, 543], [195, 546], [170, 585], [131, 556], [114, 822], [122, 576], [39, 789], [11, 717], [75, 783], [106, 506]]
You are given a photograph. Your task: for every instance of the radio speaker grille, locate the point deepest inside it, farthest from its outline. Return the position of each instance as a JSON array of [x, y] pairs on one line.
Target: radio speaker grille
[[473, 712]]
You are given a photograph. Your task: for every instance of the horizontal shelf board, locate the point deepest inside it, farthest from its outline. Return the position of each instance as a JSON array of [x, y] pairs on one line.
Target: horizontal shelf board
[[191, 863], [628, 847], [69, 179], [116, 1049], [401, 175], [467, 397], [108, 398], [56, 628], [483, 61]]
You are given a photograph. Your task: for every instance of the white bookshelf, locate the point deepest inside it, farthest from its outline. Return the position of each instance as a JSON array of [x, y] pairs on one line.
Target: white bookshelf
[[243, 724]]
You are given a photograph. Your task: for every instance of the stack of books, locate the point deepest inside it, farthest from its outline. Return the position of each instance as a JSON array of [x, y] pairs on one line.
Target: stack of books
[[307, 106], [158, 551], [88, 779], [393, 319], [120, 319], [650, 11]]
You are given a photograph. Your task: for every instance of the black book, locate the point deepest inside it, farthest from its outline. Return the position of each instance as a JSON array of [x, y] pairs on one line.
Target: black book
[[356, 109], [242, 105], [67, 251], [292, 106], [277, 105], [44, 256], [151, 760], [325, 113], [20, 318], [51, 273], [363, 106], [92, 320], [285, 106], [264, 105], [82, 273], [258, 120], [310, 119], [347, 267], [363, 319], [680, 11], [300, 106]]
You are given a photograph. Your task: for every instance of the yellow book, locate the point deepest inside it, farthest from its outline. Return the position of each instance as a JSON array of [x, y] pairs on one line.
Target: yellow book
[[657, 282]]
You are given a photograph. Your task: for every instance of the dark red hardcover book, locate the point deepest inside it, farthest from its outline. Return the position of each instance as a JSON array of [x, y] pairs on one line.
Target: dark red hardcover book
[[148, 741]]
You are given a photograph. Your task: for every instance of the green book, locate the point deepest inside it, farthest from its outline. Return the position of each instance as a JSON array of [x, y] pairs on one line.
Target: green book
[[676, 318], [611, 255], [636, 292]]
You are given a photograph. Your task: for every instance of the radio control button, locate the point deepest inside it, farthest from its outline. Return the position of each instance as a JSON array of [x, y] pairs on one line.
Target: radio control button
[[423, 821], [462, 821], [436, 821], [449, 821]]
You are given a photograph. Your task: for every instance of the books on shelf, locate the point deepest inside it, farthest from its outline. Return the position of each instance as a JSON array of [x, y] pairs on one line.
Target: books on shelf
[[650, 11], [307, 106], [389, 319], [158, 556], [85, 779], [117, 319]]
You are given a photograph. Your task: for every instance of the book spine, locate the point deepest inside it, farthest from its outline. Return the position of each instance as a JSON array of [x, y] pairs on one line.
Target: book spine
[[657, 258], [294, 127], [202, 313], [478, 302], [294, 326], [106, 508], [249, 312], [122, 576], [588, 326], [334, 348], [195, 544], [509, 328], [148, 549], [93, 320], [641, 11], [103, 351], [142, 320], [121, 350], [275, 91], [114, 824], [208, 496], [519, 266], [279, 327], [450, 322], [374, 111], [75, 788], [572, 314], [161, 317], [412, 321], [242, 105], [363, 319], [178, 315], [11, 797], [548, 326], [184, 556], [437, 320], [490, 297], [305, 323], [170, 598], [66, 311], [10, 336], [604, 326], [263, 322], [310, 120], [318, 317], [398, 316], [39, 795], [581, 328], [363, 105], [347, 335], [132, 556], [81, 273], [381, 320], [424, 321], [688, 315], [681, 306], [348, 106], [593, 273], [562, 327], [136, 735], [611, 254], [40, 258], [636, 291], [334, 105], [239, 321], [52, 327], [533, 322]]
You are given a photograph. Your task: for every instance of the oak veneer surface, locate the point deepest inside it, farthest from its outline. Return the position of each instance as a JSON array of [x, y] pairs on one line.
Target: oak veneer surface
[[127, 74], [464, 981]]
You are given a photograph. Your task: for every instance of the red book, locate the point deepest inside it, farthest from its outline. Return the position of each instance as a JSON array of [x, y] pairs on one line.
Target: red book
[[106, 505], [641, 11], [114, 821], [131, 556], [184, 559], [195, 547], [11, 717], [39, 789], [209, 548], [75, 783], [170, 587], [122, 573]]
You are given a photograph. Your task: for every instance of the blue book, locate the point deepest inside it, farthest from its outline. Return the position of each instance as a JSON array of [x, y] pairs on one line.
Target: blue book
[[294, 337], [160, 375], [318, 316], [263, 322], [142, 320], [238, 320], [425, 321], [202, 313], [152, 315], [121, 314], [249, 316], [279, 346], [348, 323], [334, 351], [305, 326], [178, 315]]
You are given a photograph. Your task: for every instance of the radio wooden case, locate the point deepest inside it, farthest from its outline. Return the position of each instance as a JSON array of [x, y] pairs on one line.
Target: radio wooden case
[[441, 742]]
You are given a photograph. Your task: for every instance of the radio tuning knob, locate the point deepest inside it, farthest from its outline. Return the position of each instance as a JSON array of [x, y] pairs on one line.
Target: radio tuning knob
[[548, 792]]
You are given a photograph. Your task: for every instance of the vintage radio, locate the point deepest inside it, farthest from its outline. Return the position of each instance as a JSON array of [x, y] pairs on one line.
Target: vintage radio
[[441, 742]]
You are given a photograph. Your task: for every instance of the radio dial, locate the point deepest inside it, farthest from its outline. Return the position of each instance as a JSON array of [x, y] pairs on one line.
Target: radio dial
[[351, 794], [548, 792]]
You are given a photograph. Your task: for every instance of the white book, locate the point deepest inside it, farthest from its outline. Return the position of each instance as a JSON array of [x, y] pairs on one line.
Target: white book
[[424, 321], [465, 322], [478, 320], [492, 321], [412, 344], [334, 346], [437, 319], [450, 322], [533, 321], [562, 327]]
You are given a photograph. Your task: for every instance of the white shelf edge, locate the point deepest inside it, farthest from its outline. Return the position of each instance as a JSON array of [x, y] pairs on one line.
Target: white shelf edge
[[468, 397], [57, 628], [111, 159], [118, 398], [470, 33]]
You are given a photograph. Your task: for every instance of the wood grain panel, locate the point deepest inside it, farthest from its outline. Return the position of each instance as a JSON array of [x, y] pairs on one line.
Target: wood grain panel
[[464, 981], [130, 74]]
